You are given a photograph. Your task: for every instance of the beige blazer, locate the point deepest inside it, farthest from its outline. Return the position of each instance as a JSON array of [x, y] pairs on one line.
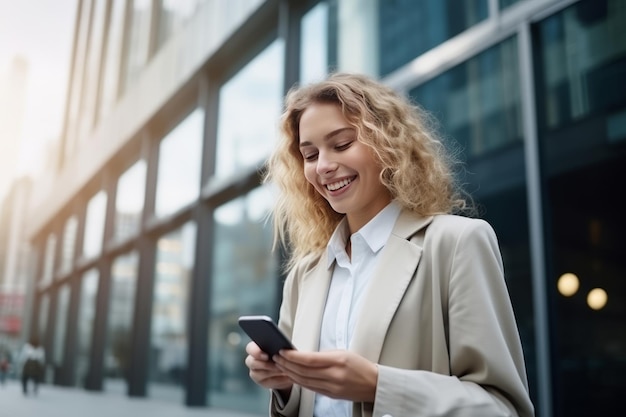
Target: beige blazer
[[436, 318]]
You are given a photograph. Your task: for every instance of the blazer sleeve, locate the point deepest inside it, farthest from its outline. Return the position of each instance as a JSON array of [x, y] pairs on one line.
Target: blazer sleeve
[[487, 374]]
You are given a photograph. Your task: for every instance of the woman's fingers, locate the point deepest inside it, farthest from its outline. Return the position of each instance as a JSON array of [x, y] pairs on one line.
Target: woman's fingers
[[255, 351], [263, 371], [337, 374]]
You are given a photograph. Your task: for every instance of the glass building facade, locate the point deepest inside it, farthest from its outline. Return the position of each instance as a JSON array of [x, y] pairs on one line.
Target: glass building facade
[[153, 237]]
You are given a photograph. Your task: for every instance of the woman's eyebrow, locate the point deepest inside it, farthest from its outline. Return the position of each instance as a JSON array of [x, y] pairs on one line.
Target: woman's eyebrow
[[328, 135]]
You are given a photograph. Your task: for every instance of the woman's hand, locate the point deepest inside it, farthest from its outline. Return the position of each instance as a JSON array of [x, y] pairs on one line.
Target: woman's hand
[[337, 374], [265, 372]]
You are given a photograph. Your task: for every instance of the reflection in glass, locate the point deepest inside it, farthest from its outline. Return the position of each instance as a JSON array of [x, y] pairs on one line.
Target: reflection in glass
[[120, 322], [478, 102], [168, 341], [180, 156], [568, 284], [69, 243], [111, 71], [94, 225], [244, 281], [86, 318], [597, 298], [583, 58], [63, 304], [250, 105], [314, 44], [129, 201], [48, 260], [409, 28]]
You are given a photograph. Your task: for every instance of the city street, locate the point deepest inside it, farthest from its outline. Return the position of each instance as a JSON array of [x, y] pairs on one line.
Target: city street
[[53, 401]]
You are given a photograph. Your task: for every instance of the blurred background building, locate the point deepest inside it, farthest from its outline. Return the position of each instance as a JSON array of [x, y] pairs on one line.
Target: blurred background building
[[14, 250], [146, 238]]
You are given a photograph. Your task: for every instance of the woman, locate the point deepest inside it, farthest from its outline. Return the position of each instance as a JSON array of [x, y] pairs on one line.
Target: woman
[[396, 305], [33, 359]]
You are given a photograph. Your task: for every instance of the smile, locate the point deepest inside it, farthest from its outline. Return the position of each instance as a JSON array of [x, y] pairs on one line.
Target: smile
[[339, 184]]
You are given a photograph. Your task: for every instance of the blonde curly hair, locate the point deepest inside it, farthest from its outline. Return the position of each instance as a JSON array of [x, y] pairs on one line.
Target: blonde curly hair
[[416, 166]]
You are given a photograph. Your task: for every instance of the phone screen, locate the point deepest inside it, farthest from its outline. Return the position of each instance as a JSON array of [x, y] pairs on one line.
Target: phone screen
[[265, 333]]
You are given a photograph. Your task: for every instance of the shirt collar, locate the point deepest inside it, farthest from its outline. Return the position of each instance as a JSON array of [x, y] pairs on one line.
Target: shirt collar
[[375, 233]]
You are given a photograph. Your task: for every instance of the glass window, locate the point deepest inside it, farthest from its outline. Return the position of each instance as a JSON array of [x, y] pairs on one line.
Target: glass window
[[478, 102], [180, 158], [120, 322], [254, 95], [581, 68], [131, 190], [86, 320], [69, 243], [409, 28], [112, 59], [60, 330], [174, 15], [139, 40], [314, 44], [44, 313], [94, 225], [48, 260], [582, 52], [169, 339], [78, 73], [92, 68], [506, 3], [245, 281], [588, 290]]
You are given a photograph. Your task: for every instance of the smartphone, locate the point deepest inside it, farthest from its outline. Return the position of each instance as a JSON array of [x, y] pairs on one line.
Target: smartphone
[[265, 333]]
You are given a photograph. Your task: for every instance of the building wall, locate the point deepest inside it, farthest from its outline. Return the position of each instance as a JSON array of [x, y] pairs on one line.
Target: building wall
[[150, 236]]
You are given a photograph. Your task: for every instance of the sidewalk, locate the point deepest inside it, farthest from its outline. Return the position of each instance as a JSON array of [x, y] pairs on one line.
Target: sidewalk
[[53, 401]]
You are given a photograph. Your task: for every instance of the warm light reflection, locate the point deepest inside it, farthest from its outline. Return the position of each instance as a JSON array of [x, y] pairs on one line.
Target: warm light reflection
[[597, 298], [568, 284]]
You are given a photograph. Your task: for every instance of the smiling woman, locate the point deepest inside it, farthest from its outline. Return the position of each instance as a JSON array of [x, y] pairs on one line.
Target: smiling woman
[[341, 168], [390, 294]]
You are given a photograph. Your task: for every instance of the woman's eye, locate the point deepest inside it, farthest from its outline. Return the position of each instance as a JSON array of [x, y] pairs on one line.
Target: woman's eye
[[310, 156], [342, 146]]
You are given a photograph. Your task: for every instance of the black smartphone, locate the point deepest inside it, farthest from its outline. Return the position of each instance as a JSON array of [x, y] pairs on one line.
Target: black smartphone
[[265, 333]]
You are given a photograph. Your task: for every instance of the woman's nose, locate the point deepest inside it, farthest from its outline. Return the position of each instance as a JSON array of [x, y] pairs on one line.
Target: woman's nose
[[325, 164]]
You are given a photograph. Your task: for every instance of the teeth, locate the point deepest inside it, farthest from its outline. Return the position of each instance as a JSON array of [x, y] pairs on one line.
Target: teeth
[[339, 184]]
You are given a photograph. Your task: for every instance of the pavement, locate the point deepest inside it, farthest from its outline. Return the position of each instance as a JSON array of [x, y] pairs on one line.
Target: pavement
[[55, 401]]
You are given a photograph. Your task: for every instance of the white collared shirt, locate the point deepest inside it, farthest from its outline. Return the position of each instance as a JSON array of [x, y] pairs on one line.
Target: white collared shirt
[[347, 286]]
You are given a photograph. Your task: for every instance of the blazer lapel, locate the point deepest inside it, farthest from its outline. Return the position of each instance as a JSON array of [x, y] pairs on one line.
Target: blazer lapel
[[313, 292], [388, 284], [306, 336]]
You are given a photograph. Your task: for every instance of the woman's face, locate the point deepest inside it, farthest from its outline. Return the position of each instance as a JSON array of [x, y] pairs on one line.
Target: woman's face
[[341, 168]]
